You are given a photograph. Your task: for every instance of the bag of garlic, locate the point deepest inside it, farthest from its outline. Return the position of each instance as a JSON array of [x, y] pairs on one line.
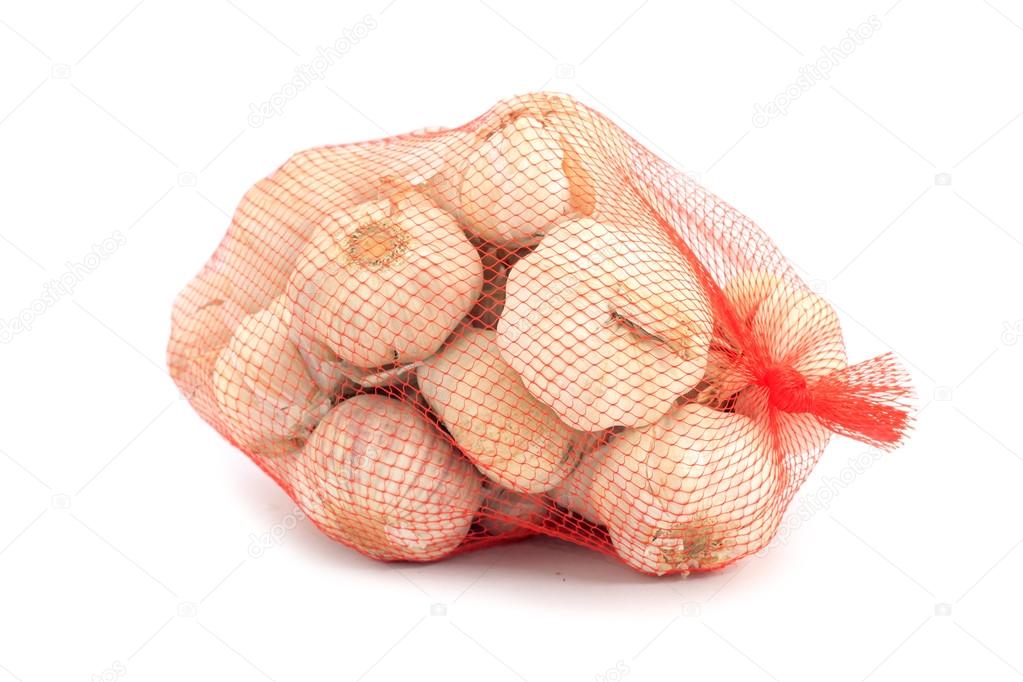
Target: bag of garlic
[[529, 324]]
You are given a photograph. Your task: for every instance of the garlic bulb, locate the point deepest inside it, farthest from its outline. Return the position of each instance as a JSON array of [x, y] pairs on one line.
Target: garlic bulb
[[268, 231], [278, 215], [203, 318], [800, 329], [387, 282], [267, 398], [376, 475], [514, 186], [513, 438], [747, 290], [505, 511], [606, 325], [796, 327], [796, 434], [695, 490]]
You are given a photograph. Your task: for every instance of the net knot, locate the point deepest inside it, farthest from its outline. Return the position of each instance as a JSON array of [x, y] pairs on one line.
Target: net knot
[[787, 389]]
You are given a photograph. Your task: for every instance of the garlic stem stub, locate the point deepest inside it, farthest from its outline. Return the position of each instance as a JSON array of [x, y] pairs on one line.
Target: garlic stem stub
[[514, 186], [513, 438], [386, 283], [605, 324], [378, 476], [694, 491], [268, 400]]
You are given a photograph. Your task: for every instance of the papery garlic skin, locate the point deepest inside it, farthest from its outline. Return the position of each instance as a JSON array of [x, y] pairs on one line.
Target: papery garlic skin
[[505, 511], [512, 437], [606, 325], [514, 186], [386, 283], [267, 398], [693, 491], [377, 475]]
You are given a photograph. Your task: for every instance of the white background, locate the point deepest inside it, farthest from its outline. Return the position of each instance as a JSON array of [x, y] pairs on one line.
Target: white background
[[130, 533]]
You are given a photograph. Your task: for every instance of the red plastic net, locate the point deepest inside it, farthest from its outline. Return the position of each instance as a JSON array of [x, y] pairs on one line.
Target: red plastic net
[[528, 324]]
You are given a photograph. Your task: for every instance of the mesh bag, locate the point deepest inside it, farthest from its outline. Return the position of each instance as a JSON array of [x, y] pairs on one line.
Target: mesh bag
[[529, 324]]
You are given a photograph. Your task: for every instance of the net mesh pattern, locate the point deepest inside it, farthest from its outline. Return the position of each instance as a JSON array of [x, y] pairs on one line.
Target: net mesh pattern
[[529, 324]]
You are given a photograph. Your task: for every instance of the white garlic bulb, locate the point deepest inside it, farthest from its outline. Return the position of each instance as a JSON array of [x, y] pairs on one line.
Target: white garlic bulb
[[606, 325], [514, 186], [693, 491], [377, 475], [801, 330], [513, 438], [796, 327], [386, 283], [203, 318], [267, 398], [747, 290], [278, 215]]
